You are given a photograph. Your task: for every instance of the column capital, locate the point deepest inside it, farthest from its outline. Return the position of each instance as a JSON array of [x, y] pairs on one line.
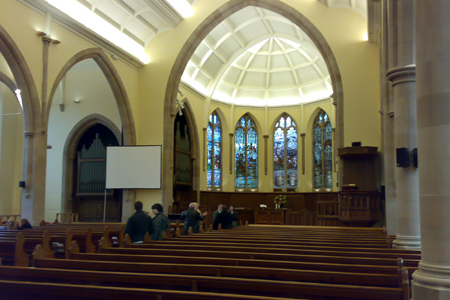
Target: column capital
[[266, 136], [402, 74]]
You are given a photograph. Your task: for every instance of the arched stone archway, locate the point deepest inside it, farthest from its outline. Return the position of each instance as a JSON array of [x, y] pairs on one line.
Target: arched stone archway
[[201, 32], [35, 145], [121, 98], [116, 84]]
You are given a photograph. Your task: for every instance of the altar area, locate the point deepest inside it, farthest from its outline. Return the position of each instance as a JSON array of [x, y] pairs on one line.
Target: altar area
[[351, 208]]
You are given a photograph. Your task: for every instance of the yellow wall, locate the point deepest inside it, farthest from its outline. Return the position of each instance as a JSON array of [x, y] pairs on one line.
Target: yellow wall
[[342, 29]]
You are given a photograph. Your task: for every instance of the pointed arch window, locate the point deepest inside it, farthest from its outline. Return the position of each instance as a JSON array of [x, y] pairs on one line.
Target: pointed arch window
[[322, 152], [246, 154], [285, 153], [214, 152]]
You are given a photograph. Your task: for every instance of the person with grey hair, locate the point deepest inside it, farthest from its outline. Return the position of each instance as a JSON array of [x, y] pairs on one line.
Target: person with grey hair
[[11, 225], [191, 217]]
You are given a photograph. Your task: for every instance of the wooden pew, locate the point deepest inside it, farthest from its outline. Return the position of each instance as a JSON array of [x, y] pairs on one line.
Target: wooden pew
[[281, 250], [261, 256], [11, 251], [203, 284], [285, 245], [20, 290], [295, 265], [333, 277], [355, 244], [31, 240], [111, 231]]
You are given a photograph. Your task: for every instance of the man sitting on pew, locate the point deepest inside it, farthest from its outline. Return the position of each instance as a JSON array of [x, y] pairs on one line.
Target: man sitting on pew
[[139, 224], [191, 218]]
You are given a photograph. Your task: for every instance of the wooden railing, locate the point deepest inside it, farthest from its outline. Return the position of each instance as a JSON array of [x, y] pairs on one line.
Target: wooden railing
[[359, 208]]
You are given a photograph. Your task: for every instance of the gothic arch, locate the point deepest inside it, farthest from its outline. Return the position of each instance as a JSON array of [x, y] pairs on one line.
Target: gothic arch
[[115, 82], [200, 33], [34, 132], [277, 118], [69, 153], [23, 81]]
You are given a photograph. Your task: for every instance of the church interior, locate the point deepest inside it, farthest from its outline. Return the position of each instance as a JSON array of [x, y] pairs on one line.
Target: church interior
[[321, 121]]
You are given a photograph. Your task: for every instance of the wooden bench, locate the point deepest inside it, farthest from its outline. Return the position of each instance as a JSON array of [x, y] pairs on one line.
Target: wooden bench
[[366, 279], [261, 256], [355, 244], [244, 286], [295, 265], [31, 240], [285, 245], [281, 250], [11, 251], [111, 231], [14, 290]]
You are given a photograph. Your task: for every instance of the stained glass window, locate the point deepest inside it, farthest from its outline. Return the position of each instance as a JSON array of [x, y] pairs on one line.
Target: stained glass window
[[323, 152], [246, 154], [285, 149], [214, 151]]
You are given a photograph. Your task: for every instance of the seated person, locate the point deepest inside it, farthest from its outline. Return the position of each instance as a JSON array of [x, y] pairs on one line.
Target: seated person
[[24, 224], [234, 216], [223, 218], [11, 225]]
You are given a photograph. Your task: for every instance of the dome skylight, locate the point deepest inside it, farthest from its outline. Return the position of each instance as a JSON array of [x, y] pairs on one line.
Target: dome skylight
[[258, 58]]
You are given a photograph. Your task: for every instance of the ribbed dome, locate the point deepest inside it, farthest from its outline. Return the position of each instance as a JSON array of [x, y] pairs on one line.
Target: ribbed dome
[[258, 58]]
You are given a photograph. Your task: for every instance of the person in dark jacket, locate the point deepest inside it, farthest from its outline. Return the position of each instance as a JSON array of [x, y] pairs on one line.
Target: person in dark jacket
[[24, 224], [139, 224], [160, 222], [234, 216], [223, 218], [191, 218]]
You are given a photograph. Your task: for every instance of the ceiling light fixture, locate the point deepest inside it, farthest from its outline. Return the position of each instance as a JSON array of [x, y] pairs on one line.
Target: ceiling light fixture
[[85, 16], [183, 7]]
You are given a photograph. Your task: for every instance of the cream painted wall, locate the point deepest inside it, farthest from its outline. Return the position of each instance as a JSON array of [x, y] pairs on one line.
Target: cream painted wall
[[95, 95], [356, 59], [23, 32], [11, 151]]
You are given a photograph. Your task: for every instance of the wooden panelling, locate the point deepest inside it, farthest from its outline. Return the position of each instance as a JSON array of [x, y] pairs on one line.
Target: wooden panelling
[[303, 206]]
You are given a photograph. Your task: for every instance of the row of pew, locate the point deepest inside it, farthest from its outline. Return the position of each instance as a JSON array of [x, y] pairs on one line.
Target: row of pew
[[250, 262]]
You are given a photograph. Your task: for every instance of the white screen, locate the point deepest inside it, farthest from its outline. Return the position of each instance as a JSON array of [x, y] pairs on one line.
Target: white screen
[[133, 167]]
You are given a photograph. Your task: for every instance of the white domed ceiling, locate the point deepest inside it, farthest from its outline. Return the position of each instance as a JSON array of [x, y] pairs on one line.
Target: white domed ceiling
[[258, 58]]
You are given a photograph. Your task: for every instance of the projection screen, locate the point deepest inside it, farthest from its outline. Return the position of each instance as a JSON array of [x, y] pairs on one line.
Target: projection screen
[[133, 167]]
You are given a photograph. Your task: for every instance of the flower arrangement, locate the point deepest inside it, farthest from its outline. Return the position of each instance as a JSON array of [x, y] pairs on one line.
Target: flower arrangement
[[280, 201]]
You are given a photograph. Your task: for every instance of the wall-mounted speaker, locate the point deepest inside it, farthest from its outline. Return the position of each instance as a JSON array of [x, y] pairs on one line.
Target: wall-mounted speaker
[[356, 144], [415, 158], [402, 157], [22, 184]]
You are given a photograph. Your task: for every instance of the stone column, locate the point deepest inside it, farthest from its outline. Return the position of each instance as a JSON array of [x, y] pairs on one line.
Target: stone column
[[33, 195], [432, 280], [402, 75], [387, 116]]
